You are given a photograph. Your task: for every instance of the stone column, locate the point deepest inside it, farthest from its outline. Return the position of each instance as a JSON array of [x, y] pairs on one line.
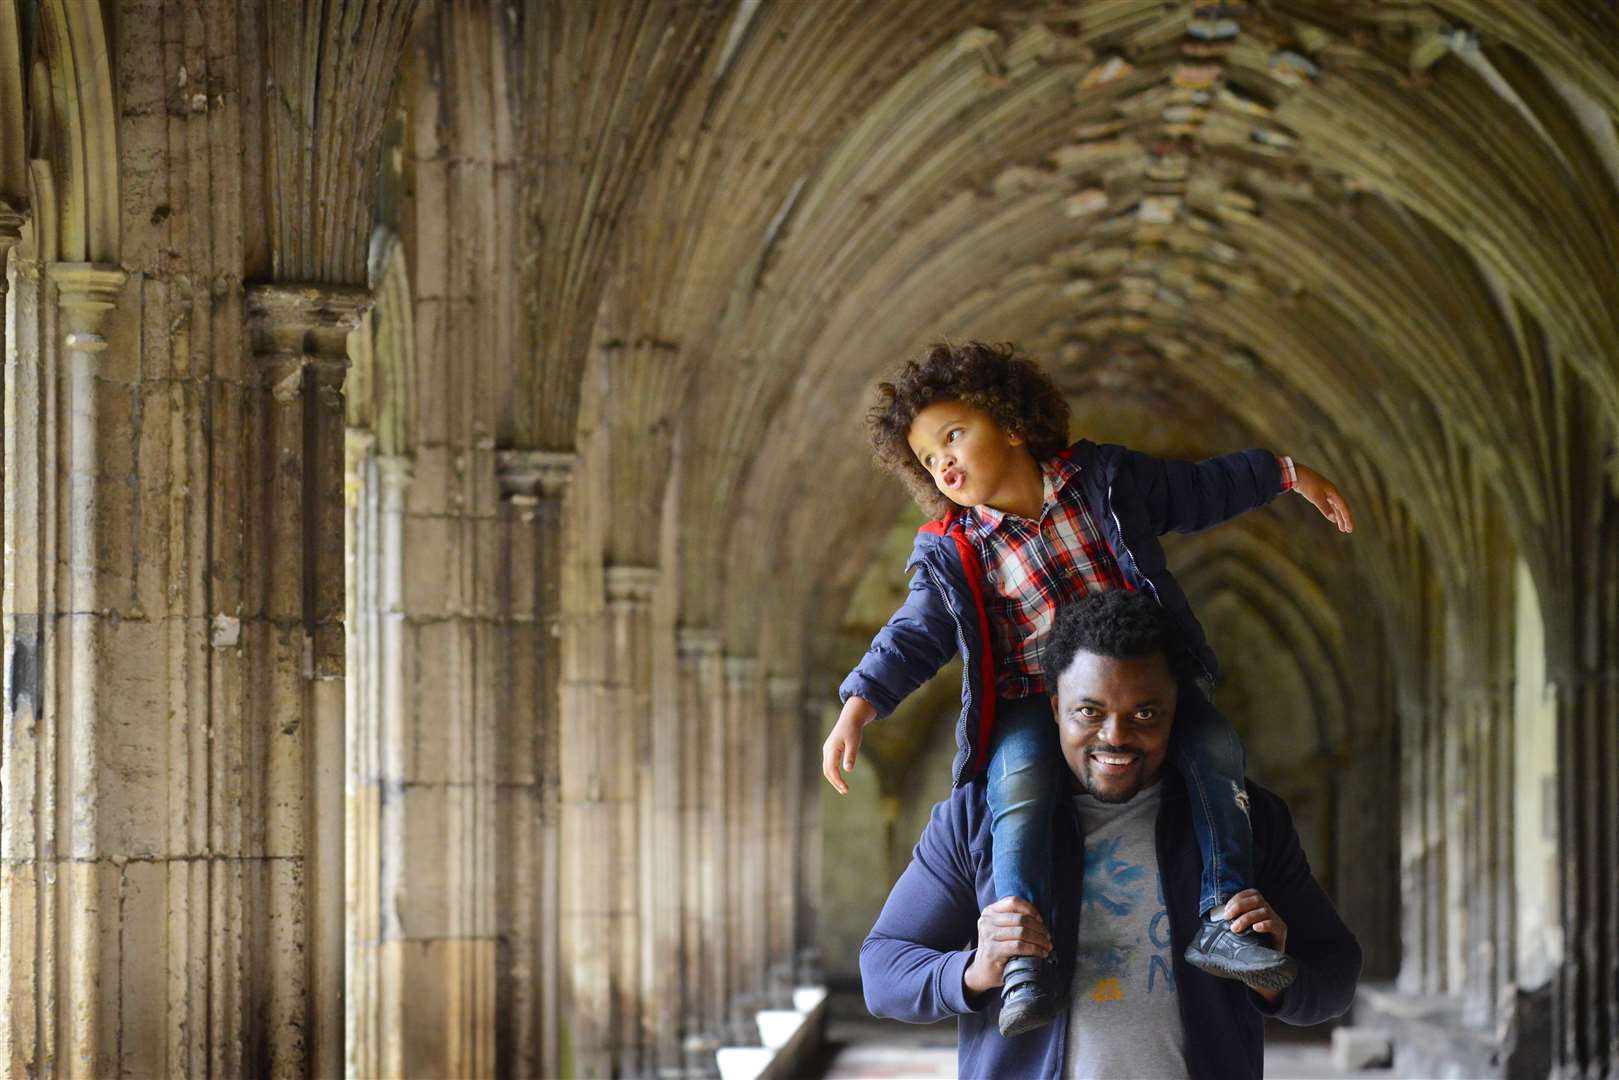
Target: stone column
[[439, 745], [1583, 670], [746, 726], [11, 223], [661, 867], [529, 868], [374, 762], [51, 890], [785, 794], [627, 722], [702, 716], [84, 295], [813, 723], [292, 635]]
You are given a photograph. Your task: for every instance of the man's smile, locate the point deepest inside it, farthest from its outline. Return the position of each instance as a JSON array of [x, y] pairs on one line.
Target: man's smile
[[1113, 762]]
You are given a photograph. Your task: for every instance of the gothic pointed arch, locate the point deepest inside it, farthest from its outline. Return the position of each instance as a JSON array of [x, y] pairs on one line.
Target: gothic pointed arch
[[379, 394], [71, 131]]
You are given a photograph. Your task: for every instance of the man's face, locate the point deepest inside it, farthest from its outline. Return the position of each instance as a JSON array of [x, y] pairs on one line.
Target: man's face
[[1113, 720]]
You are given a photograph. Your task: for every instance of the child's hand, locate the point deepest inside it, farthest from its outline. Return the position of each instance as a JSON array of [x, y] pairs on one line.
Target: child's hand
[[1324, 496], [838, 753]]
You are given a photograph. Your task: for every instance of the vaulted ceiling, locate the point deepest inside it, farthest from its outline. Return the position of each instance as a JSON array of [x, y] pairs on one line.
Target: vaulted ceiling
[[1383, 236]]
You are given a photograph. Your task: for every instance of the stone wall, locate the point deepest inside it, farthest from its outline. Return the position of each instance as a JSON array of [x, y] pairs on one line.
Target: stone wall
[[434, 485]]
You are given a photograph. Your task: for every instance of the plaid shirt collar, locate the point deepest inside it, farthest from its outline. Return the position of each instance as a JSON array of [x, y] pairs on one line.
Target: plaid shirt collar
[[1054, 471]]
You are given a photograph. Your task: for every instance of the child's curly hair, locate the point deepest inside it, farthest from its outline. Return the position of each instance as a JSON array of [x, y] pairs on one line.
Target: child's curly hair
[[1020, 397]]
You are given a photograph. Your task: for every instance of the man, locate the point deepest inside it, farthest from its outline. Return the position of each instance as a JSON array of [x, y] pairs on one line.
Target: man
[[1125, 906]]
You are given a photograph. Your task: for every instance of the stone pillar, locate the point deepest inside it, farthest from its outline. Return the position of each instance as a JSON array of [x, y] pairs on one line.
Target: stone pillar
[[702, 717], [1423, 846], [529, 870], [53, 879], [292, 637], [425, 876], [663, 864], [1585, 677], [376, 694], [11, 223], [627, 723], [811, 789], [745, 726], [1478, 708], [785, 795], [598, 858]]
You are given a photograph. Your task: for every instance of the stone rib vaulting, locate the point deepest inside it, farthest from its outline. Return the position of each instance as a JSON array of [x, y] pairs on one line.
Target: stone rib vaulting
[[437, 513]]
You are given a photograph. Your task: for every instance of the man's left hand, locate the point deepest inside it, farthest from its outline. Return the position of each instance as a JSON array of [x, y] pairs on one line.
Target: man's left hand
[[1249, 910]]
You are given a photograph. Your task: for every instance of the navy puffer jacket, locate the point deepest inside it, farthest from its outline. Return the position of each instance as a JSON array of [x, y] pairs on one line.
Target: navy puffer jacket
[[1133, 498]]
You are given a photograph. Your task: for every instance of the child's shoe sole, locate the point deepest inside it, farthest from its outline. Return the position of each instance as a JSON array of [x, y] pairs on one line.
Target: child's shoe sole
[[1027, 1012], [1273, 977]]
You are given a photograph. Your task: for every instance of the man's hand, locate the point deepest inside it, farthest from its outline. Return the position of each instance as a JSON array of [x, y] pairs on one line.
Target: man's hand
[[1249, 910], [1324, 496], [1009, 927], [839, 750]]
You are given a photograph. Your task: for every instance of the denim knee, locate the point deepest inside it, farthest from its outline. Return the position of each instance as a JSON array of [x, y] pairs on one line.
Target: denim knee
[[1016, 780], [1021, 766]]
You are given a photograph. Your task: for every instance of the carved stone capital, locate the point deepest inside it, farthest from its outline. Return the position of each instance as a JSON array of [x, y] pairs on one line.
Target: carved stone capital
[[784, 691], [12, 220], [396, 470], [631, 586], [741, 672], [301, 322], [534, 473], [85, 292], [695, 641]]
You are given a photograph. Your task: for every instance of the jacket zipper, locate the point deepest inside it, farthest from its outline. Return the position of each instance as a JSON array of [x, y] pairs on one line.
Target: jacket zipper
[[1136, 569]]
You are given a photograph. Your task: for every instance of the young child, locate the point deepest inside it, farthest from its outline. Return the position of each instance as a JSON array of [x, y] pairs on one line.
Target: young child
[[1025, 522]]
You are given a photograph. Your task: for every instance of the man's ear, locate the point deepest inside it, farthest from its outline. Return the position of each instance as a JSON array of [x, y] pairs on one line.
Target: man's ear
[[1015, 438], [1054, 712]]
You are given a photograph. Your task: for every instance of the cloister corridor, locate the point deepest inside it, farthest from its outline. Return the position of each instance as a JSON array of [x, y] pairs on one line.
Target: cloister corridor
[[438, 513]]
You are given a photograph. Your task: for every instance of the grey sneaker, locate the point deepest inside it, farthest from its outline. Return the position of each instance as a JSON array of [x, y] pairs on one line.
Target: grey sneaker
[[1219, 950], [1025, 1002]]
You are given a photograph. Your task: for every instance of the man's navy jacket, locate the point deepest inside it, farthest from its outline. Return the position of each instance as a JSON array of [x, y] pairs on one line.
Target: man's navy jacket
[[912, 962], [1133, 499]]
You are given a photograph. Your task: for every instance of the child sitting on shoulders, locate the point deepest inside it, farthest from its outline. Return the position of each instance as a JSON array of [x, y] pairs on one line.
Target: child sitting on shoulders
[[1023, 523]]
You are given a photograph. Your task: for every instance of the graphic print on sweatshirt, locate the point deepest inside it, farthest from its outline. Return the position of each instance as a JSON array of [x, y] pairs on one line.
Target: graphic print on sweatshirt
[[1116, 903], [1124, 1013]]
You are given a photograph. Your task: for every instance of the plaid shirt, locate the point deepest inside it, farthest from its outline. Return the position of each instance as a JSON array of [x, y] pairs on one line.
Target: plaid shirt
[[1031, 568]]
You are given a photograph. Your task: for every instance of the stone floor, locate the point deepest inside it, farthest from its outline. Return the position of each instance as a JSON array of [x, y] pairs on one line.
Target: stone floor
[[861, 1048]]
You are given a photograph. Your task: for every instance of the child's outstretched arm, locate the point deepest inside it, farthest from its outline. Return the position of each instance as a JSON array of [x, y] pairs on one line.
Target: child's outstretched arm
[[843, 745], [1324, 496], [916, 642], [1188, 496]]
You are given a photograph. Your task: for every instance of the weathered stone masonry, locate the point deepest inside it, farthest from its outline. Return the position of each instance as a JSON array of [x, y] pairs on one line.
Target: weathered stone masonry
[[436, 513]]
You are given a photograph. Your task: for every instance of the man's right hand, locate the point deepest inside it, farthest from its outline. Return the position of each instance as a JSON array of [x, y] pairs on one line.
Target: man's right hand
[[1009, 927], [839, 750]]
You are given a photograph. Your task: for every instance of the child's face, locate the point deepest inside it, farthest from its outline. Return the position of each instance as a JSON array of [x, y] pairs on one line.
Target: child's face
[[968, 454]]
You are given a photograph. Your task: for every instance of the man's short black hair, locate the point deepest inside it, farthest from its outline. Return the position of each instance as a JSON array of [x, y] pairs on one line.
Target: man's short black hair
[[1118, 623]]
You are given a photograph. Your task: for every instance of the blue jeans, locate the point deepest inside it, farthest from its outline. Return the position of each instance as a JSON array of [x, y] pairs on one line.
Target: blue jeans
[[1027, 774]]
